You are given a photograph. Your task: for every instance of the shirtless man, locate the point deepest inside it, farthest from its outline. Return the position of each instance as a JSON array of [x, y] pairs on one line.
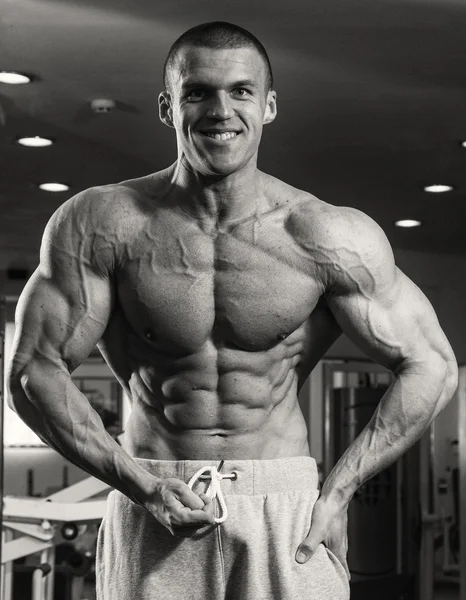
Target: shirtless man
[[212, 290]]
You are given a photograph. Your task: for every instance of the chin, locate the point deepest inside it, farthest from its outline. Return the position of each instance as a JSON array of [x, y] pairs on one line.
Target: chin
[[218, 168], [223, 171], [223, 167]]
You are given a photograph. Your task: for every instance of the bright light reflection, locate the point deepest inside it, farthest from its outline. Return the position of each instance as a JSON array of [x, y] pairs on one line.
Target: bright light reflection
[[408, 223], [35, 142], [54, 187], [438, 188], [12, 78]]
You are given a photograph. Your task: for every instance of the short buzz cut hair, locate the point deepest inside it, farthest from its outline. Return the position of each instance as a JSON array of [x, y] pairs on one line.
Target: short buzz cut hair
[[218, 35]]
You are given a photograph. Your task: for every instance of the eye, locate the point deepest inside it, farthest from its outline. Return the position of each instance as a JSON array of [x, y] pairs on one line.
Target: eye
[[243, 92], [197, 94]]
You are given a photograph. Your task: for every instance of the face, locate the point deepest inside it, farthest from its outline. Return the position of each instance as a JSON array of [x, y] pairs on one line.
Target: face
[[218, 105]]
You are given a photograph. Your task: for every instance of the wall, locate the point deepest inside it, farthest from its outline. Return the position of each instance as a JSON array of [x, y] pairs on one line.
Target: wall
[[47, 467]]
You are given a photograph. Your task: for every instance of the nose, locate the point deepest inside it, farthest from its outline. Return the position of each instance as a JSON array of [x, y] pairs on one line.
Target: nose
[[219, 107]]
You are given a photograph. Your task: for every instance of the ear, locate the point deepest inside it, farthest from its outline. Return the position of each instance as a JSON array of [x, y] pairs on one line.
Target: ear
[[165, 109], [270, 108]]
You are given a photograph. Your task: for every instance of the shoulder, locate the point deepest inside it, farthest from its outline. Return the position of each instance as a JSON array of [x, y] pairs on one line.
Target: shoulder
[[94, 208], [110, 211], [112, 205], [90, 227], [348, 247], [100, 222], [83, 210]]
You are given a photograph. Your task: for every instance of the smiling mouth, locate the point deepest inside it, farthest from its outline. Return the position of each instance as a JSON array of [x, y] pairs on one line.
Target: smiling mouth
[[221, 137]]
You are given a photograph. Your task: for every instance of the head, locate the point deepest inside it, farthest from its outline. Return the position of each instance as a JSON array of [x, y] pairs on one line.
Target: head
[[218, 96]]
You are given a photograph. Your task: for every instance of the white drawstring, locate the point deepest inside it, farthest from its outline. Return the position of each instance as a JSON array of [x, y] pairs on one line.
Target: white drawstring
[[214, 488]]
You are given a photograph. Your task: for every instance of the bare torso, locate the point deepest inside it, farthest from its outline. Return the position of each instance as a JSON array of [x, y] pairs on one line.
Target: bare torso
[[215, 328]]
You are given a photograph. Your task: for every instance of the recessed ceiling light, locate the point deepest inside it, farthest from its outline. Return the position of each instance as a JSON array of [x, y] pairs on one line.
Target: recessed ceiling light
[[408, 223], [35, 142], [13, 78], [463, 144], [54, 187], [438, 188]]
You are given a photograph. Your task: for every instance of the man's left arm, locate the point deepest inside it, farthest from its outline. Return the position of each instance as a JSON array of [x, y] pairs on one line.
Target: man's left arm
[[389, 318]]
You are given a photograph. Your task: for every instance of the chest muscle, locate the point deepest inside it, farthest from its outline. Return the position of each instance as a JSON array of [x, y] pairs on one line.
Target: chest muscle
[[249, 287]]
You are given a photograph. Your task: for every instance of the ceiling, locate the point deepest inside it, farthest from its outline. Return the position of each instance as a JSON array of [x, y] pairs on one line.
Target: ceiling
[[371, 98]]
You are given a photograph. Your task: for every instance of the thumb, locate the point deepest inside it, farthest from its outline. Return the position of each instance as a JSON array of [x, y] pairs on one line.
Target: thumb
[[306, 550]]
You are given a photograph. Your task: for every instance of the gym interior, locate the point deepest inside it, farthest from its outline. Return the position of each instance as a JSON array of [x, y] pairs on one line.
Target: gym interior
[[371, 115]]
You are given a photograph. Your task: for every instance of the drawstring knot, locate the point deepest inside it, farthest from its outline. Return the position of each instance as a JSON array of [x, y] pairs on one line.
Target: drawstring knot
[[214, 490]]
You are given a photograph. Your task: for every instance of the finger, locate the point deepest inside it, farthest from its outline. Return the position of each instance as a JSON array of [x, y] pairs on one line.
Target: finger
[[316, 535], [206, 499], [209, 506], [180, 514], [304, 552], [186, 516], [189, 498], [307, 548]]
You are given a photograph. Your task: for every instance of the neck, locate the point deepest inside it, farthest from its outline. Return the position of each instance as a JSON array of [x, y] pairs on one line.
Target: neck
[[216, 198]]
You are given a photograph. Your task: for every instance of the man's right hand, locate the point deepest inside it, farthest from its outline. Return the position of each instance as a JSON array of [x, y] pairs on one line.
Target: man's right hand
[[180, 510]]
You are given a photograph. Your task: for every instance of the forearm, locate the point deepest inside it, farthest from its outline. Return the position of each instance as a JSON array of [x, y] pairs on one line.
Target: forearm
[[405, 412], [46, 399]]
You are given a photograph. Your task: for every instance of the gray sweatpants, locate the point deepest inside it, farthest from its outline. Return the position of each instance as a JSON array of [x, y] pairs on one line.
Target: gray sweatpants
[[249, 556]]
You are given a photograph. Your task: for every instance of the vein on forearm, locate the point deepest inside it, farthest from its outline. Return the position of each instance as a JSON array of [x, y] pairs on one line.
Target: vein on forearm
[[65, 413], [405, 412], [52, 406]]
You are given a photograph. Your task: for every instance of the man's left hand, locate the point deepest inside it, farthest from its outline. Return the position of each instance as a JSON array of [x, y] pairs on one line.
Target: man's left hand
[[329, 526]]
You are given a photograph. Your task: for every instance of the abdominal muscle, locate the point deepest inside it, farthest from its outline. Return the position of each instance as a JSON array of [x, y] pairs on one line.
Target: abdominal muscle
[[242, 421]]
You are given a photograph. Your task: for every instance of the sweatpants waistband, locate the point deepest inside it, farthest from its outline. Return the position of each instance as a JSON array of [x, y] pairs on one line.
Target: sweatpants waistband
[[253, 477]]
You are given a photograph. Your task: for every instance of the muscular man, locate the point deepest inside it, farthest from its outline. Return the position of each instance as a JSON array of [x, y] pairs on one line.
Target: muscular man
[[212, 289]]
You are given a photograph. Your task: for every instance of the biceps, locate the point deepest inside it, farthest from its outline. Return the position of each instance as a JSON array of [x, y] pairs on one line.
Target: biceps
[[391, 327], [59, 323]]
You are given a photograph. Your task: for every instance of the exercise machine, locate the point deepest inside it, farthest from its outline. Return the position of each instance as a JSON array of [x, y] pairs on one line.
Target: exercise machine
[[37, 525], [401, 505], [42, 524]]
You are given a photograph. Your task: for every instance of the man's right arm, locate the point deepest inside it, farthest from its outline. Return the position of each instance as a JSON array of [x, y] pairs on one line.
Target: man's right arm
[[61, 315]]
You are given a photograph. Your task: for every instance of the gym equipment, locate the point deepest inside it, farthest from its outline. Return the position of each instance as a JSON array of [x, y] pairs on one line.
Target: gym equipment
[[40, 521], [43, 522], [402, 501], [462, 477]]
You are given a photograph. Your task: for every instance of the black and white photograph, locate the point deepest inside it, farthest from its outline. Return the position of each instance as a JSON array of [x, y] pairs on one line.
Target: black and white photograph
[[232, 283]]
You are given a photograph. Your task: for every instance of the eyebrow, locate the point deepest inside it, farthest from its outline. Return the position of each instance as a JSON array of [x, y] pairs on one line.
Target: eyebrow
[[236, 84], [245, 83]]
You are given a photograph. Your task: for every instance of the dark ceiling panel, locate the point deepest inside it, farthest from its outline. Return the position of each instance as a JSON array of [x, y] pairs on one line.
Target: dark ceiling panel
[[370, 96]]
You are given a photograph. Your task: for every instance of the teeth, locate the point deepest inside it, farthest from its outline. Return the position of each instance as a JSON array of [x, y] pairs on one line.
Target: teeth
[[222, 136]]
